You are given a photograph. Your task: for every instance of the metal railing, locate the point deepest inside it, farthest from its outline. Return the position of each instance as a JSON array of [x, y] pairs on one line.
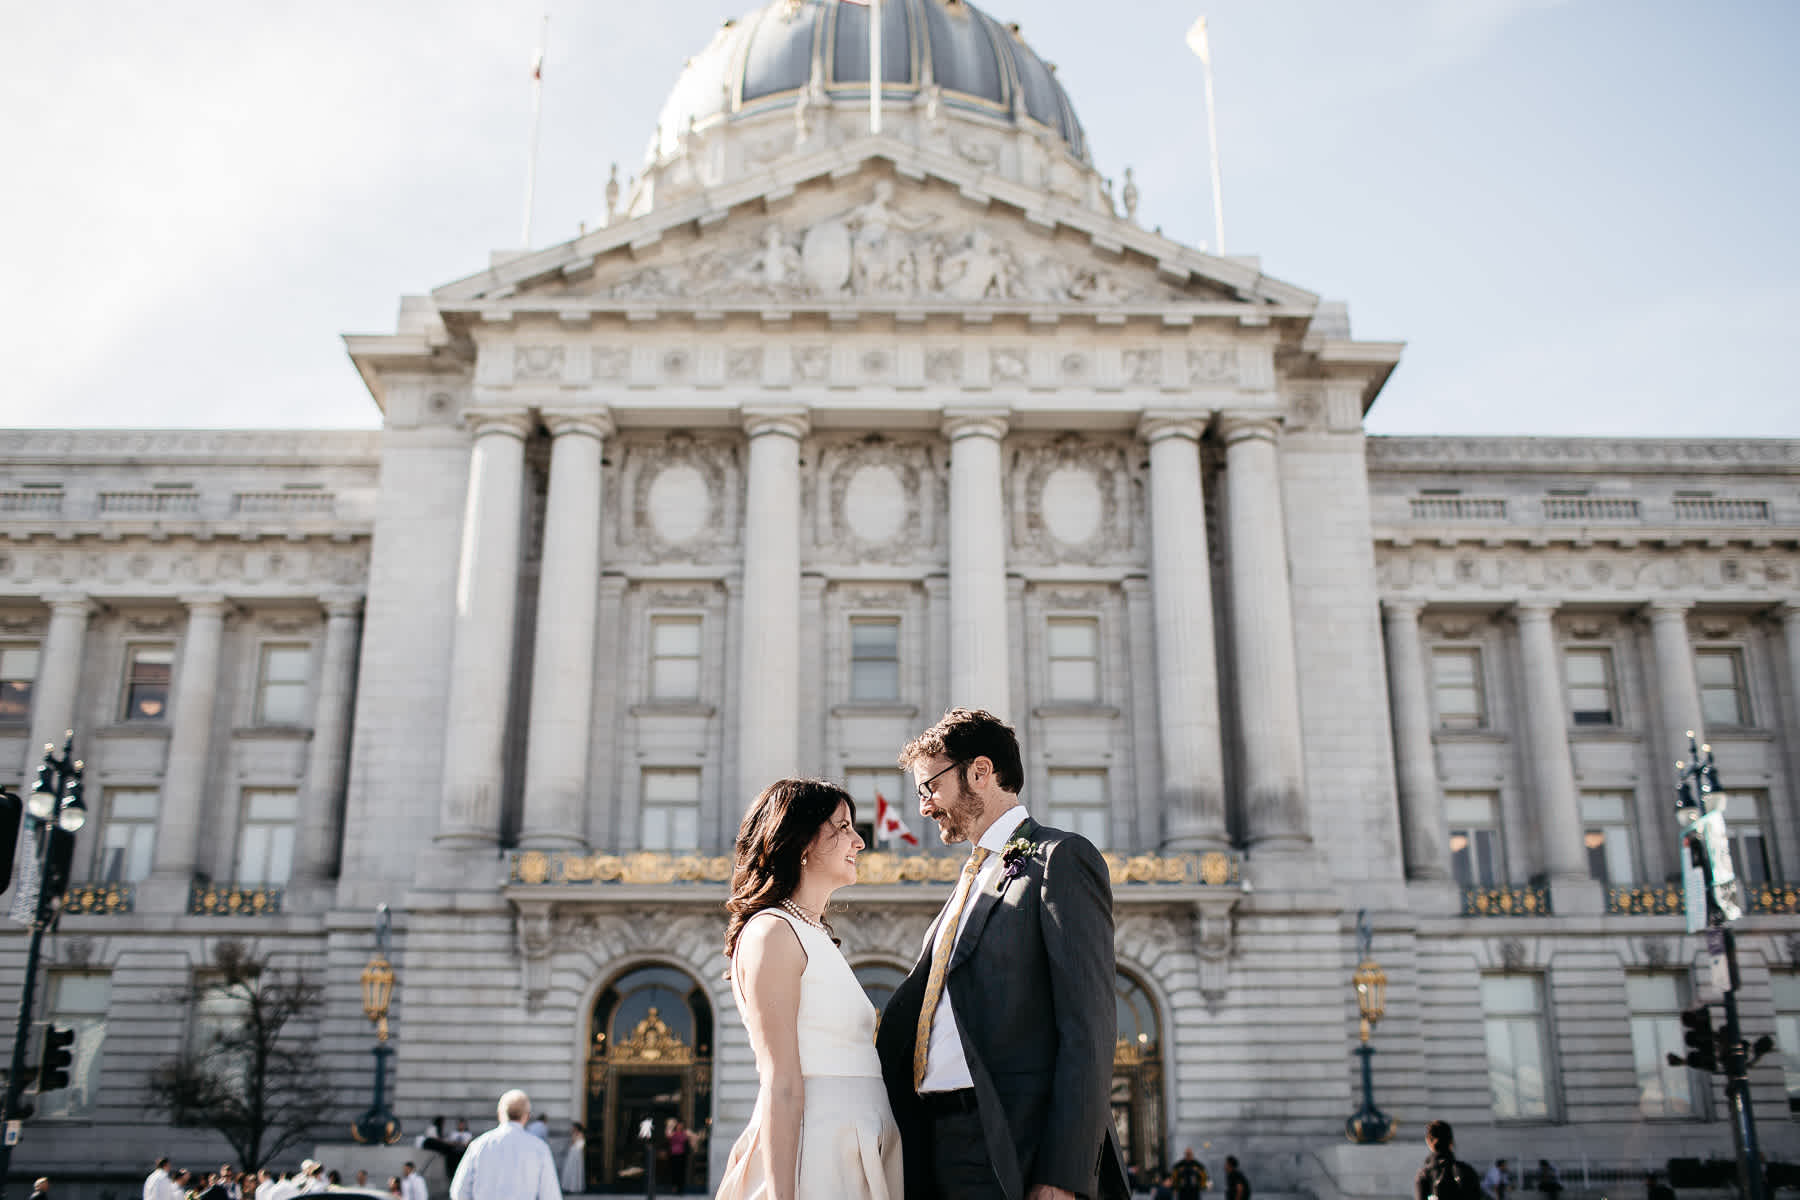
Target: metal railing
[[226, 900], [1506, 900], [99, 899], [1646, 900]]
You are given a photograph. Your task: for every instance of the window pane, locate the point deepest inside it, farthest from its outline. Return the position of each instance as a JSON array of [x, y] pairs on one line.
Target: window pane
[[675, 679], [79, 1003], [1586, 668], [874, 639], [147, 683], [1077, 787], [874, 680], [1716, 668], [1074, 679], [1456, 678], [1074, 639], [1720, 706], [656, 828], [684, 827], [286, 664], [1469, 808], [18, 671], [19, 662], [676, 636], [274, 806], [1603, 808], [662, 787], [1509, 994], [1652, 993]]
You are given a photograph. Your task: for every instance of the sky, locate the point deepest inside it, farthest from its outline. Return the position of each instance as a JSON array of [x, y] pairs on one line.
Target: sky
[[1577, 214]]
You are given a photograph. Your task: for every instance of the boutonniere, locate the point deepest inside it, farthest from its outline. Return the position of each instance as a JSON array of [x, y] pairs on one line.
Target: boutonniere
[[1013, 856]]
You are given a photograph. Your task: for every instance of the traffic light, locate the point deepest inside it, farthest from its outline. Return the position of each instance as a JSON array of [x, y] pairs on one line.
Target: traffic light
[[12, 811], [59, 861], [1702, 1043], [57, 1057]]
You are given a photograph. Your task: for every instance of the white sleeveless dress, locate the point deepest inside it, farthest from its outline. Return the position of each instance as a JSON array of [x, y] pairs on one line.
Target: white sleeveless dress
[[849, 1144]]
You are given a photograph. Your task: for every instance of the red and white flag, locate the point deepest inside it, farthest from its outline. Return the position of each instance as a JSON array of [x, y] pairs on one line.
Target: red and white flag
[[888, 826]]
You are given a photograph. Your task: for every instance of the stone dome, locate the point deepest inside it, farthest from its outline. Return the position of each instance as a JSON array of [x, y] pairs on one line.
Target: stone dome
[[794, 53]]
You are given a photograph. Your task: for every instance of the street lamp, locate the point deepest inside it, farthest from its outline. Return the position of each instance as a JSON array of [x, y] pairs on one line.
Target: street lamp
[[54, 812], [378, 1125], [1368, 1125]]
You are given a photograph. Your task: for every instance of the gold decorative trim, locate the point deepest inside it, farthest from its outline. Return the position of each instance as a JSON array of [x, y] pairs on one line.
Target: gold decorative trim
[[653, 1042], [206, 900], [99, 899], [1658, 900], [1506, 902], [535, 868]]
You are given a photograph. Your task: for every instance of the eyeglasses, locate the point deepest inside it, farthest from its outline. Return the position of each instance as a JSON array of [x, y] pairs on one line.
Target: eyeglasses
[[925, 789]]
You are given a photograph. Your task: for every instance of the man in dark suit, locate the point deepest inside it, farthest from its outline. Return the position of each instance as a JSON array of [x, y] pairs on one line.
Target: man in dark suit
[[998, 1048]]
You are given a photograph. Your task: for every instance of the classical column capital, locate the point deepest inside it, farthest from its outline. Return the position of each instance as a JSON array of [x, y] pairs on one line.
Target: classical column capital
[[73, 603], [596, 423], [785, 421], [1405, 607], [1154, 426], [1787, 612], [1242, 427], [1531, 611], [1669, 609], [207, 602], [341, 606], [496, 421], [960, 423]]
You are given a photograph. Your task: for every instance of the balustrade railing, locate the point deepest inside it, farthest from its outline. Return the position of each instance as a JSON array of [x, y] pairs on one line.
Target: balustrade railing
[[1646, 900], [41, 501], [99, 898], [1458, 508], [226, 900], [283, 504], [149, 504], [1591, 508], [1507, 900], [1693, 508]]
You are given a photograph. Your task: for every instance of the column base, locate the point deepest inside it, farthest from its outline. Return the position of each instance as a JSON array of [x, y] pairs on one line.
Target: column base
[[1195, 833], [456, 862], [1577, 897], [551, 842]]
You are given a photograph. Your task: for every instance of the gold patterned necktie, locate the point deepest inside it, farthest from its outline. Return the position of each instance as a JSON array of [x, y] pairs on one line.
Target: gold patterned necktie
[[940, 961]]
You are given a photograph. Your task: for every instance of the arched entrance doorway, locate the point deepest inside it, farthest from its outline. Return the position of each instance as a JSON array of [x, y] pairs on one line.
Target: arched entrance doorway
[[1137, 1107], [649, 1057]]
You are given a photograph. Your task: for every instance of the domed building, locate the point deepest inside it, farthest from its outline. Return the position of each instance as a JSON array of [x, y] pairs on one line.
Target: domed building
[[821, 430]]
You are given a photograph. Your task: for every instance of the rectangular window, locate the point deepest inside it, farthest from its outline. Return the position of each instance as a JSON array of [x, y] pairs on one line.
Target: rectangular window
[[78, 1000], [1655, 1004], [266, 846], [874, 659], [1512, 1010], [1752, 855], [1074, 659], [1078, 803], [671, 810], [1456, 678], [147, 672], [128, 836], [18, 674], [1723, 700], [216, 1034], [1589, 676], [675, 658], [865, 784], [281, 690], [1786, 987], [1475, 845], [1606, 831]]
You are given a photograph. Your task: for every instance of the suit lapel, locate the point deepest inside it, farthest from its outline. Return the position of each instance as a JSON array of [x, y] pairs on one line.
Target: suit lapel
[[984, 902]]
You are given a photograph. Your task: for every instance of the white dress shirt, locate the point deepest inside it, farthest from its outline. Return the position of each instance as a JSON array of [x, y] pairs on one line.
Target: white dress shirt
[[158, 1186], [506, 1163], [412, 1187], [946, 1070]]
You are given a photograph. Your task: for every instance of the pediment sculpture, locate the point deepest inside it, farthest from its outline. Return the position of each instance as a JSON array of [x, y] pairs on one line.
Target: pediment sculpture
[[881, 251]]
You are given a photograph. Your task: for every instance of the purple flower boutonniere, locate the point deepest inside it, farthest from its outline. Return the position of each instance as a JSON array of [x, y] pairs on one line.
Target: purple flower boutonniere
[[1013, 856]]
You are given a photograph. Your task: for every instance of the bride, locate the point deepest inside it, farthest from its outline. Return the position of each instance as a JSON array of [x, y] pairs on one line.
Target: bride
[[822, 1129]]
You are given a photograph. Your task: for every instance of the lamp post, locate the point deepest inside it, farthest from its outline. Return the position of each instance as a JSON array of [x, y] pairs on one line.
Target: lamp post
[[54, 812], [1368, 1125], [378, 1125]]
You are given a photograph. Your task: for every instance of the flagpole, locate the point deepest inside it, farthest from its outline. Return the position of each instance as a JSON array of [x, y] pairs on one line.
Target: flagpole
[[874, 66], [537, 112], [1201, 45]]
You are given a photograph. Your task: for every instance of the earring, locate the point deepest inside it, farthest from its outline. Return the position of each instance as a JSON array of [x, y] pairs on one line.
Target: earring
[[803, 860]]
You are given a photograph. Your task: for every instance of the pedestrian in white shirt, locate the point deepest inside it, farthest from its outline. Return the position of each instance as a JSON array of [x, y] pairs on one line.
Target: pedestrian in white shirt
[[412, 1184], [158, 1185], [507, 1163]]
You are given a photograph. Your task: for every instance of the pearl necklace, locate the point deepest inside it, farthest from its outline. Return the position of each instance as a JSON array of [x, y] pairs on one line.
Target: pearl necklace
[[803, 914]]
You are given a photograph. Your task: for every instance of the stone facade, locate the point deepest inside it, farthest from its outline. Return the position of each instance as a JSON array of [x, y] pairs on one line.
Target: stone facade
[[757, 479]]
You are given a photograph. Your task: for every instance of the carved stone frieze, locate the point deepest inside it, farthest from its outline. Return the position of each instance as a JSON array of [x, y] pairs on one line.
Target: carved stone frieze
[[1561, 452], [744, 364], [680, 497], [943, 364], [610, 364], [882, 249], [1212, 365], [1143, 368], [537, 362], [1072, 500]]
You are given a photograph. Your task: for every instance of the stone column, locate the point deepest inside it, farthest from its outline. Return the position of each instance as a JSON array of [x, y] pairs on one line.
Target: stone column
[[1187, 679], [1427, 833], [769, 664], [980, 661], [1790, 631], [481, 651], [1551, 769], [1677, 688], [58, 677], [562, 682], [321, 800], [183, 808], [1262, 629]]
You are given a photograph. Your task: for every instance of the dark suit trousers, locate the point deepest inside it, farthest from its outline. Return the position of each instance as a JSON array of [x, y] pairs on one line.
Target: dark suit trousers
[[960, 1159]]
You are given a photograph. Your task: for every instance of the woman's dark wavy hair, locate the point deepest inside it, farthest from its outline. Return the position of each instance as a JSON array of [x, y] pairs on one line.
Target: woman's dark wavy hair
[[776, 831]]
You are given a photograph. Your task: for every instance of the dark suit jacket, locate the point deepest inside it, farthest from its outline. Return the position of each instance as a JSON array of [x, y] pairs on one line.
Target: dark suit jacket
[[1032, 982]]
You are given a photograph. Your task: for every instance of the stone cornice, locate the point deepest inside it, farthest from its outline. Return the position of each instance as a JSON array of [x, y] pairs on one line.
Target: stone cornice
[[200, 447], [1659, 455]]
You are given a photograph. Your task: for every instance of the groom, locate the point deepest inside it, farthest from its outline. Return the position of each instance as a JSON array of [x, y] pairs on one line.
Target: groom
[[998, 1048]]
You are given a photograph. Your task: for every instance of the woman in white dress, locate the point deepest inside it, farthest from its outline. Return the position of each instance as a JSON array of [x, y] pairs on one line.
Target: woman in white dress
[[822, 1129], [574, 1164]]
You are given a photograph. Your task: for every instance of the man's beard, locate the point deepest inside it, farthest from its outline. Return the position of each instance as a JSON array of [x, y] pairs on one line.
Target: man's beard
[[958, 817]]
